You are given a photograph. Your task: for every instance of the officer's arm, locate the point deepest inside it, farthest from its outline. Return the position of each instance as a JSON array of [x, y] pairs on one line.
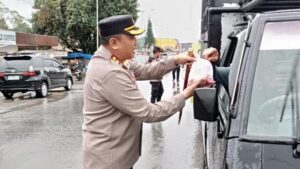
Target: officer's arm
[[152, 71], [120, 90]]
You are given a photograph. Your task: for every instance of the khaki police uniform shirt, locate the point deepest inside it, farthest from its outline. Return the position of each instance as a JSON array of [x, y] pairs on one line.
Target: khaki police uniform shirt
[[114, 110]]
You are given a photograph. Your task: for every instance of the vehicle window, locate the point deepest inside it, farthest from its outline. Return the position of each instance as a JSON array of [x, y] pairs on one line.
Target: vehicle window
[[224, 99], [55, 64], [37, 62], [280, 47], [48, 63], [229, 52], [18, 63]]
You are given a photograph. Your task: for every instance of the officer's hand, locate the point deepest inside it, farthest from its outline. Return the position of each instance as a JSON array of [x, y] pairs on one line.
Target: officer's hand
[[183, 58], [203, 82], [211, 54]]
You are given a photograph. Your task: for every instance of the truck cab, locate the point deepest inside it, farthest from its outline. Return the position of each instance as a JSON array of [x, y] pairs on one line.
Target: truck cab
[[254, 122]]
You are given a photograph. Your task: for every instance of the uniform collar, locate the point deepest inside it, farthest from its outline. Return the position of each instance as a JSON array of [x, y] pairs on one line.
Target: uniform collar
[[106, 54], [103, 52]]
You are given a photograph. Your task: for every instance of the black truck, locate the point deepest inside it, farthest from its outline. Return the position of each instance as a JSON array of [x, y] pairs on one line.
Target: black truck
[[255, 121]]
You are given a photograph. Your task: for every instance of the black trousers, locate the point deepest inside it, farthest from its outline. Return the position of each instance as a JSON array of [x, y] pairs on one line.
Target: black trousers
[[157, 91], [176, 70]]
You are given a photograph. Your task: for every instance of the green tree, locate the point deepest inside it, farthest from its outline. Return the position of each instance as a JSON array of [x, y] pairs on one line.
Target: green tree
[[149, 36], [74, 22], [3, 10], [20, 24], [3, 24], [14, 19]]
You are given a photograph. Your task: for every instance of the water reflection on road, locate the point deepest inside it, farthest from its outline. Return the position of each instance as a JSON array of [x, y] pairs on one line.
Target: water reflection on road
[[36, 135]]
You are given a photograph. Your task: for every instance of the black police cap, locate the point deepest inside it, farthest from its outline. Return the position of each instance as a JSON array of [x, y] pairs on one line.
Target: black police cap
[[119, 24], [157, 49]]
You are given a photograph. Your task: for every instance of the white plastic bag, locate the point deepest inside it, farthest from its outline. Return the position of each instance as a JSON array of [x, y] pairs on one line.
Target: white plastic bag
[[201, 68]]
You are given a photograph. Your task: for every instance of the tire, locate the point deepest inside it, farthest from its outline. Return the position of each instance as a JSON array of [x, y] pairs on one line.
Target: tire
[[43, 91], [8, 95], [69, 84]]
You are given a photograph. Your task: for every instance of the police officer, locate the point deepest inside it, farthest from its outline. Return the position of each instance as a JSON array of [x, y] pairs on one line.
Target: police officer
[[114, 108]]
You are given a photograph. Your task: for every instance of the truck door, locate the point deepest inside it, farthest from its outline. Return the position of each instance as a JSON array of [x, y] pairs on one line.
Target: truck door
[[271, 89]]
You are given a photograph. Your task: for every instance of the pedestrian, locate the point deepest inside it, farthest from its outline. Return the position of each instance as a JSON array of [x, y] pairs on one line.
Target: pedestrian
[[157, 88], [176, 71], [114, 108]]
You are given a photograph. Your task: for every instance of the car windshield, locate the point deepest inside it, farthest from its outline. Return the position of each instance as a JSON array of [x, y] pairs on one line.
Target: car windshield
[[279, 49], [19, 64]]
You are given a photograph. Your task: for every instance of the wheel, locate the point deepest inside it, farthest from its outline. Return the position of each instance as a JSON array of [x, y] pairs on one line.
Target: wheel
[[8, 95], [43, 91], [69, 84]]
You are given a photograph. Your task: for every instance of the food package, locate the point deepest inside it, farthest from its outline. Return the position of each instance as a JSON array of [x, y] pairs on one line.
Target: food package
[[201, 68]]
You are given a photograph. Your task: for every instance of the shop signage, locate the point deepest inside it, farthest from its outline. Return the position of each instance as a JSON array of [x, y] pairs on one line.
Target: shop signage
[[7, 37]]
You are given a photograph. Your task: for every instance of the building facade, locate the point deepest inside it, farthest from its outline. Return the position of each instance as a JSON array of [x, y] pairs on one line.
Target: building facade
[[11, 42]]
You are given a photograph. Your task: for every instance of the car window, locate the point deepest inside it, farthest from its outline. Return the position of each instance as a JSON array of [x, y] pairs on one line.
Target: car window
[[224, 99], [48, 63], [37, 62], [56, 64], [229, 50], [279, 49], [17, 63]]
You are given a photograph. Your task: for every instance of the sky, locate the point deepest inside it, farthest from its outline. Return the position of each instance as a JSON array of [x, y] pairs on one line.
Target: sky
[[23, 7], [178, 19]]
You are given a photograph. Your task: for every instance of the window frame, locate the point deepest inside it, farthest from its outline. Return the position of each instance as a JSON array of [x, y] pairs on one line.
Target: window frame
[[226, 59]]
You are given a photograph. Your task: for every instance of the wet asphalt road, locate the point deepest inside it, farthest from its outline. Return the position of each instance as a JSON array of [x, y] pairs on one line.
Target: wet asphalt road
[[41, 133], [46, 133]]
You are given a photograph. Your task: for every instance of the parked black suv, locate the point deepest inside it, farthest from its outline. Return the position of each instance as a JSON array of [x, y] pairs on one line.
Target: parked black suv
[[32, 73]]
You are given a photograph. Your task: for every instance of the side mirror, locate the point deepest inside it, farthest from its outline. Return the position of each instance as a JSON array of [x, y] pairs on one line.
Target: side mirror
[[205, 107]]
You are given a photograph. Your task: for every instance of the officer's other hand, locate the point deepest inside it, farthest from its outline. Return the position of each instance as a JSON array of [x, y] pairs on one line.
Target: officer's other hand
[[211, 54], [202, 82], [183, 58]]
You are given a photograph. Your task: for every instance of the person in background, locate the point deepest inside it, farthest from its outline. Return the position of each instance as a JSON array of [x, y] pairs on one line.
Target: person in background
[[114, 108], [157, 88], [176, 70]]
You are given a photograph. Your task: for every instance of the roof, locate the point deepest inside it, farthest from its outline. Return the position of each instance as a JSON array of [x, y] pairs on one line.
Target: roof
[[75, 55]]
